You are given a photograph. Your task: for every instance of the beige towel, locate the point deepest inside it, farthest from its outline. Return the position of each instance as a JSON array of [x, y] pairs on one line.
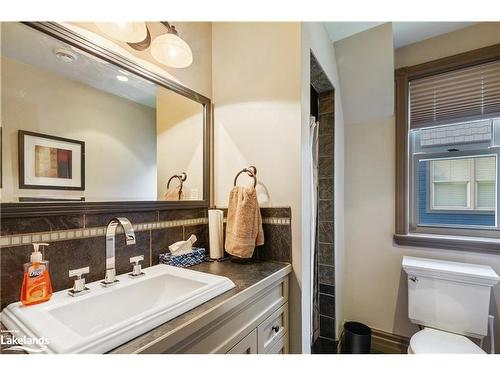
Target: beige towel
[[172, 194], [244, 223]]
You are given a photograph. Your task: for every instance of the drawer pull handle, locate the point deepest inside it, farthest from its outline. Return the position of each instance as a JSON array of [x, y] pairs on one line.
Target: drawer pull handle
[[275, 329]]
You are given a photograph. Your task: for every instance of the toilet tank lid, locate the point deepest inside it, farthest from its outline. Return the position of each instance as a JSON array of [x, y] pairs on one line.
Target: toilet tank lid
[[455, 270]]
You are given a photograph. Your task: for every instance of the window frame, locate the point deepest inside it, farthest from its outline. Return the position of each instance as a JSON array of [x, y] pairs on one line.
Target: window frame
[[455, 238]]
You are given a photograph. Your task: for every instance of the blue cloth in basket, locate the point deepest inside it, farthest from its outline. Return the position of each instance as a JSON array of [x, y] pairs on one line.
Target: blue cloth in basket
[[184, 260]]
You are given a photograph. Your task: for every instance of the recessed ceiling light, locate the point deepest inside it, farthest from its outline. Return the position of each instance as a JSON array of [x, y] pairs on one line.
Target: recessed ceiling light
[[65, 55], [123, 72], [122, 78]]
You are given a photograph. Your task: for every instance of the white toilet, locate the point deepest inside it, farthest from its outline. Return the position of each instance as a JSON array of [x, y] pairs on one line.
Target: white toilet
[[450, 300]]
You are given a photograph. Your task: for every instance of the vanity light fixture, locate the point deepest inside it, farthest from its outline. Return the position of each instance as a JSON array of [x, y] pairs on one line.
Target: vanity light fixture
[[128, 32], [170, 49], [122, 78]]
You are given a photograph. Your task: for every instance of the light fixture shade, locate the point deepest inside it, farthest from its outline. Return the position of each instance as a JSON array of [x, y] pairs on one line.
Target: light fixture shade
[[172, 51], [129, 32]]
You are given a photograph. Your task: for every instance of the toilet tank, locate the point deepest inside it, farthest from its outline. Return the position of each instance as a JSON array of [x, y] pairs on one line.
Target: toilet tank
[[449, 296]]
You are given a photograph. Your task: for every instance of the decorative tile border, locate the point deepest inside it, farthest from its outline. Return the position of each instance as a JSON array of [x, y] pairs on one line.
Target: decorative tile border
[[272, 220], [276, 220], [71, 234], [63, 235]]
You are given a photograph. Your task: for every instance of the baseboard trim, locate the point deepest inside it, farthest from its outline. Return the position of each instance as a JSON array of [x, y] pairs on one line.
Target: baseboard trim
[[389, 343]]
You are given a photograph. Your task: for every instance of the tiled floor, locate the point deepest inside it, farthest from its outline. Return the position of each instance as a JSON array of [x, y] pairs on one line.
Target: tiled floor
[[324, 346]]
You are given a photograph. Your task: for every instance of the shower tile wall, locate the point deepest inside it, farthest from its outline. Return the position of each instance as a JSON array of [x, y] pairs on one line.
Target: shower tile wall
[[325, 238]]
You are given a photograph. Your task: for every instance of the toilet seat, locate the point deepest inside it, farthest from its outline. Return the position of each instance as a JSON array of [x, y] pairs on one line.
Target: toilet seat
[[429, 340]]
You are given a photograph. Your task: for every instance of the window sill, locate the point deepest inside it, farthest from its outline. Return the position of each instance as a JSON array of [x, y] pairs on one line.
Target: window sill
[[449, 242]]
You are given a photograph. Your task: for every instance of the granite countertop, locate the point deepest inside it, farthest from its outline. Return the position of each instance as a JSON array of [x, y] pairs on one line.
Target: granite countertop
[[243, 276]]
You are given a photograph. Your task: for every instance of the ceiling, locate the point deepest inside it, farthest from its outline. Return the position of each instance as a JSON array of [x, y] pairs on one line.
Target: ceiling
[[24, 44], [404, 33]]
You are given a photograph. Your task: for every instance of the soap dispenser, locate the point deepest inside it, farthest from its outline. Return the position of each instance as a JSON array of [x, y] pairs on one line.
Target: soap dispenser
[[37, 287]]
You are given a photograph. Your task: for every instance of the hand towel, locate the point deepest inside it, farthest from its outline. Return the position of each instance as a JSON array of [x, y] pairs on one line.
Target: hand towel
[[172, 194], [244, 223]]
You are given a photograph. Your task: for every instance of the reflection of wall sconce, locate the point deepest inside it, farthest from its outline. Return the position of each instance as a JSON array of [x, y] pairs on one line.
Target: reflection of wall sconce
[[168, 49]]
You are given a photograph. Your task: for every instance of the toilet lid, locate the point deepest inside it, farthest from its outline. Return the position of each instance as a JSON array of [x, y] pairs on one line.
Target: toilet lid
[[431, 340]]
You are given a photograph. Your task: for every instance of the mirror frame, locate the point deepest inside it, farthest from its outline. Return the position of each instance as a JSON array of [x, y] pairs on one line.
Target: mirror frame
[[33, 209]]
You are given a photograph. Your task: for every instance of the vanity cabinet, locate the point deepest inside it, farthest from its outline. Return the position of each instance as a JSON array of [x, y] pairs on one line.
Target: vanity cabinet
[[254, 321], [270, 337]]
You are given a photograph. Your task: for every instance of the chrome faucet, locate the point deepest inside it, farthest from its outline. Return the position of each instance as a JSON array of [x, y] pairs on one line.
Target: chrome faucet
[[110, 278]]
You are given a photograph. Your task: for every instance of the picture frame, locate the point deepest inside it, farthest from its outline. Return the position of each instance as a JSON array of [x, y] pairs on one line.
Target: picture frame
[[50, 162]]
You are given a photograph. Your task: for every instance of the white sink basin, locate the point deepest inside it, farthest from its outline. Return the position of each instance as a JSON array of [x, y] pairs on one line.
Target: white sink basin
[[108, 317]]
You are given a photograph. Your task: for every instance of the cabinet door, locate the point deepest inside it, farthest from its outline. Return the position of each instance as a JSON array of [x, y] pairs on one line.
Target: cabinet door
[[247, 345]]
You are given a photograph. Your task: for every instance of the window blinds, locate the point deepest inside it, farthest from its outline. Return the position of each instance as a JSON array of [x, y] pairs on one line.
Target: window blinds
[[463, 94]]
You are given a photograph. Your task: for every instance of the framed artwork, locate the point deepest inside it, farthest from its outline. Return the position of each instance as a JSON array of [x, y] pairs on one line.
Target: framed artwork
[[49, 162]]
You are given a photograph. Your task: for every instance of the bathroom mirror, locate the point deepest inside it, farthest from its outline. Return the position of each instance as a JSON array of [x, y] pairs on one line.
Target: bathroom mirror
[[84, 125]]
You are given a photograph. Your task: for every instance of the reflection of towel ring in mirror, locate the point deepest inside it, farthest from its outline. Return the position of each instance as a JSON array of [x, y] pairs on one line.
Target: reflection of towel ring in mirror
[[181, 177], [251, 171]]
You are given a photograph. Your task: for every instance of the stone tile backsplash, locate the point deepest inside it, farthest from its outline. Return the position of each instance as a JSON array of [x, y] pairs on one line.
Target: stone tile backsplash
[[78, 241]]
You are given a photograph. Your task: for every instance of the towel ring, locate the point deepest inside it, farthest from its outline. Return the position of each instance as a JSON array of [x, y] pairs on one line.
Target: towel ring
[[251, 171], [182, 177]]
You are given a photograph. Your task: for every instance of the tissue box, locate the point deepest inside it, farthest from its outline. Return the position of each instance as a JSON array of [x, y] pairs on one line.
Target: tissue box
[[185, 260]]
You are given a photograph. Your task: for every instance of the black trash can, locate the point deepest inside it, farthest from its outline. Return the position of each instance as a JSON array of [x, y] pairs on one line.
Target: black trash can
[[356, 338]]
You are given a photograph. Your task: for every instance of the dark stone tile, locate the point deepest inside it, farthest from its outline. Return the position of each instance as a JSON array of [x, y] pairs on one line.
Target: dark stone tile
[[201, 233], [283, 212], [277, 243], [325, 145], [326, 125], [327, 289], [325, 232], [326, 275], [324, 346], [326, 210], [326, 102], [11, 272], [326, 254], [325, 187], [327, 327], [319, 79], [190, 213], [40, 224], [327, 305], [124, 252], [325, 166], [99, 220], [161, 239], [72, 254]]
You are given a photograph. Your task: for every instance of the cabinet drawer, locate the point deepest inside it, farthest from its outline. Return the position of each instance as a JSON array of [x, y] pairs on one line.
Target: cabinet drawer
[[280, 346], [272, 329]]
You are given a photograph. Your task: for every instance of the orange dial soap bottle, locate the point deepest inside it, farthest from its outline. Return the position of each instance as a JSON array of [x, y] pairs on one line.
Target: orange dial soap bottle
[[37, 287]]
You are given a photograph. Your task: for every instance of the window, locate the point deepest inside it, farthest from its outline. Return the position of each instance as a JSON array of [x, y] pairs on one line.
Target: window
[[448, 150]]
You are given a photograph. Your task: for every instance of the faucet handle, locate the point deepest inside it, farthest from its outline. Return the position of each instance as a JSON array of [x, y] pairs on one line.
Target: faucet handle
[[136, 271], [79, 287]]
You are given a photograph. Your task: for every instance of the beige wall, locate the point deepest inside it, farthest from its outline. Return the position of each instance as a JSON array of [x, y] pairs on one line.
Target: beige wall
[[257, 103], [197, 76], [476, 36], [376, 289], [315, 39], [119, 135], [179, 127]]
